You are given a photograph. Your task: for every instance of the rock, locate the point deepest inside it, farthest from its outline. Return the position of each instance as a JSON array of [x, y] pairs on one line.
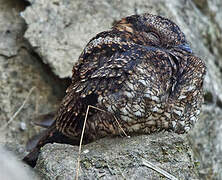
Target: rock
[[206, 142], [120, 158], [10, 25], [11, 168], [21, 70], [57, 32], [23, 126]]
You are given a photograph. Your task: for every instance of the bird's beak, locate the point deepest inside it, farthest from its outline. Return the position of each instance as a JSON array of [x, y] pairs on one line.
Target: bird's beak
[[185, 47]]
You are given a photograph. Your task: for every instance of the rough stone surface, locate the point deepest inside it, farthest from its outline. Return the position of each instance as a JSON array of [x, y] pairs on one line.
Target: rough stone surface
[[11, 168], [206, 142], [20, 71], [8, 30], [120, 158], [57, 31]]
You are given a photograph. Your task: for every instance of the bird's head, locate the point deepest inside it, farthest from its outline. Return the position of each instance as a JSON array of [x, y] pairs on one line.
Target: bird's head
[[151, 30]]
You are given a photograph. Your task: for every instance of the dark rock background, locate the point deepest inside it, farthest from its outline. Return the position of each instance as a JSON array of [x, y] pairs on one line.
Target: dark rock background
[[39, 43]]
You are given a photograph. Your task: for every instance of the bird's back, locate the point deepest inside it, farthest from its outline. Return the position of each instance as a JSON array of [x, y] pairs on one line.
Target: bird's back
[[133, 78]]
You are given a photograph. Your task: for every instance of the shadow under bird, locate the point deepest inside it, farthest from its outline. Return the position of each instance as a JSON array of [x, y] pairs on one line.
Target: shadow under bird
[[141, 77]]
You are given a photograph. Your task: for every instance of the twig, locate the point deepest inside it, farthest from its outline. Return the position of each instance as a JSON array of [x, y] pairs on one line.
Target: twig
[[19, 110], [37, 104], [83, 130], [94, 107], [80, 144], [114, 118], [121, 127], [159, 170]]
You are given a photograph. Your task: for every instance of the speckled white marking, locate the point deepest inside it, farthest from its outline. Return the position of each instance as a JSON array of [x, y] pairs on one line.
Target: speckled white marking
[[128, 94], [182, 97], [167, 115], [138, 113], [124, 111], [187, 128], [198, 112], [193, 119], [178, 112], [101, 41], [174, 124], [141, 69], [100, 98], [143, 82], [129, 85], [155, 98], [190, 88], [148, 94], [182, 123], [155, 109]]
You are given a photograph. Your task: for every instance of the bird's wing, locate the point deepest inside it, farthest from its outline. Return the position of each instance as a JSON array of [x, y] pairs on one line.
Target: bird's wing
[[102, 74], [106, 75], [99, 73], [191, 78], [188, 89]]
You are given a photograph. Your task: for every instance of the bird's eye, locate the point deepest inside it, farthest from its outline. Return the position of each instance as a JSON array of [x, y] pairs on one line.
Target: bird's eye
[[151, 37]]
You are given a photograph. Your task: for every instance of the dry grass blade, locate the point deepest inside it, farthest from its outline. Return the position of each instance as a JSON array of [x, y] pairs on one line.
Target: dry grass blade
[[159, 170], [114, 118], [81, 138], [80, 144], [121, 127], [19, 110]]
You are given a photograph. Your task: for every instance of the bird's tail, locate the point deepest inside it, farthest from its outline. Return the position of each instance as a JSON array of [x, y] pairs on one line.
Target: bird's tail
[[36, 143], [50, 135]]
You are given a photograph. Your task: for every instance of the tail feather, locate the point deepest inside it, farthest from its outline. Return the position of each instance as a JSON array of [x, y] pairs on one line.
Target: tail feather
[[32, 157], [45, 120], [50, 135]]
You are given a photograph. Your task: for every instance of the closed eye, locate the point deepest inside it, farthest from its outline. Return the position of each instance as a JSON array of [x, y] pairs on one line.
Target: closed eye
[[151, 37]]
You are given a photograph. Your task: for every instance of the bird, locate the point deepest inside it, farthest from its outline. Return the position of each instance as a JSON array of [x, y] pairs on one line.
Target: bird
[[139, 77]]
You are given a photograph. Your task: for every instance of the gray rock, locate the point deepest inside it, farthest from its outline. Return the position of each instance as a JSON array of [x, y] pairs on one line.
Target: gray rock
[[206, 142], [11, 168], [120, 158], [57, 32], [10, 25], [21, 70]]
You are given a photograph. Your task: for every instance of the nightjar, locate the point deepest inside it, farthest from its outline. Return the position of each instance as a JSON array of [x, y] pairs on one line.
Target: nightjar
[[139, 77]]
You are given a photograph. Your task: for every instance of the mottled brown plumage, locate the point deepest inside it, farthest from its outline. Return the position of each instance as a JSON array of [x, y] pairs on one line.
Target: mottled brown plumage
[[141, 72]]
